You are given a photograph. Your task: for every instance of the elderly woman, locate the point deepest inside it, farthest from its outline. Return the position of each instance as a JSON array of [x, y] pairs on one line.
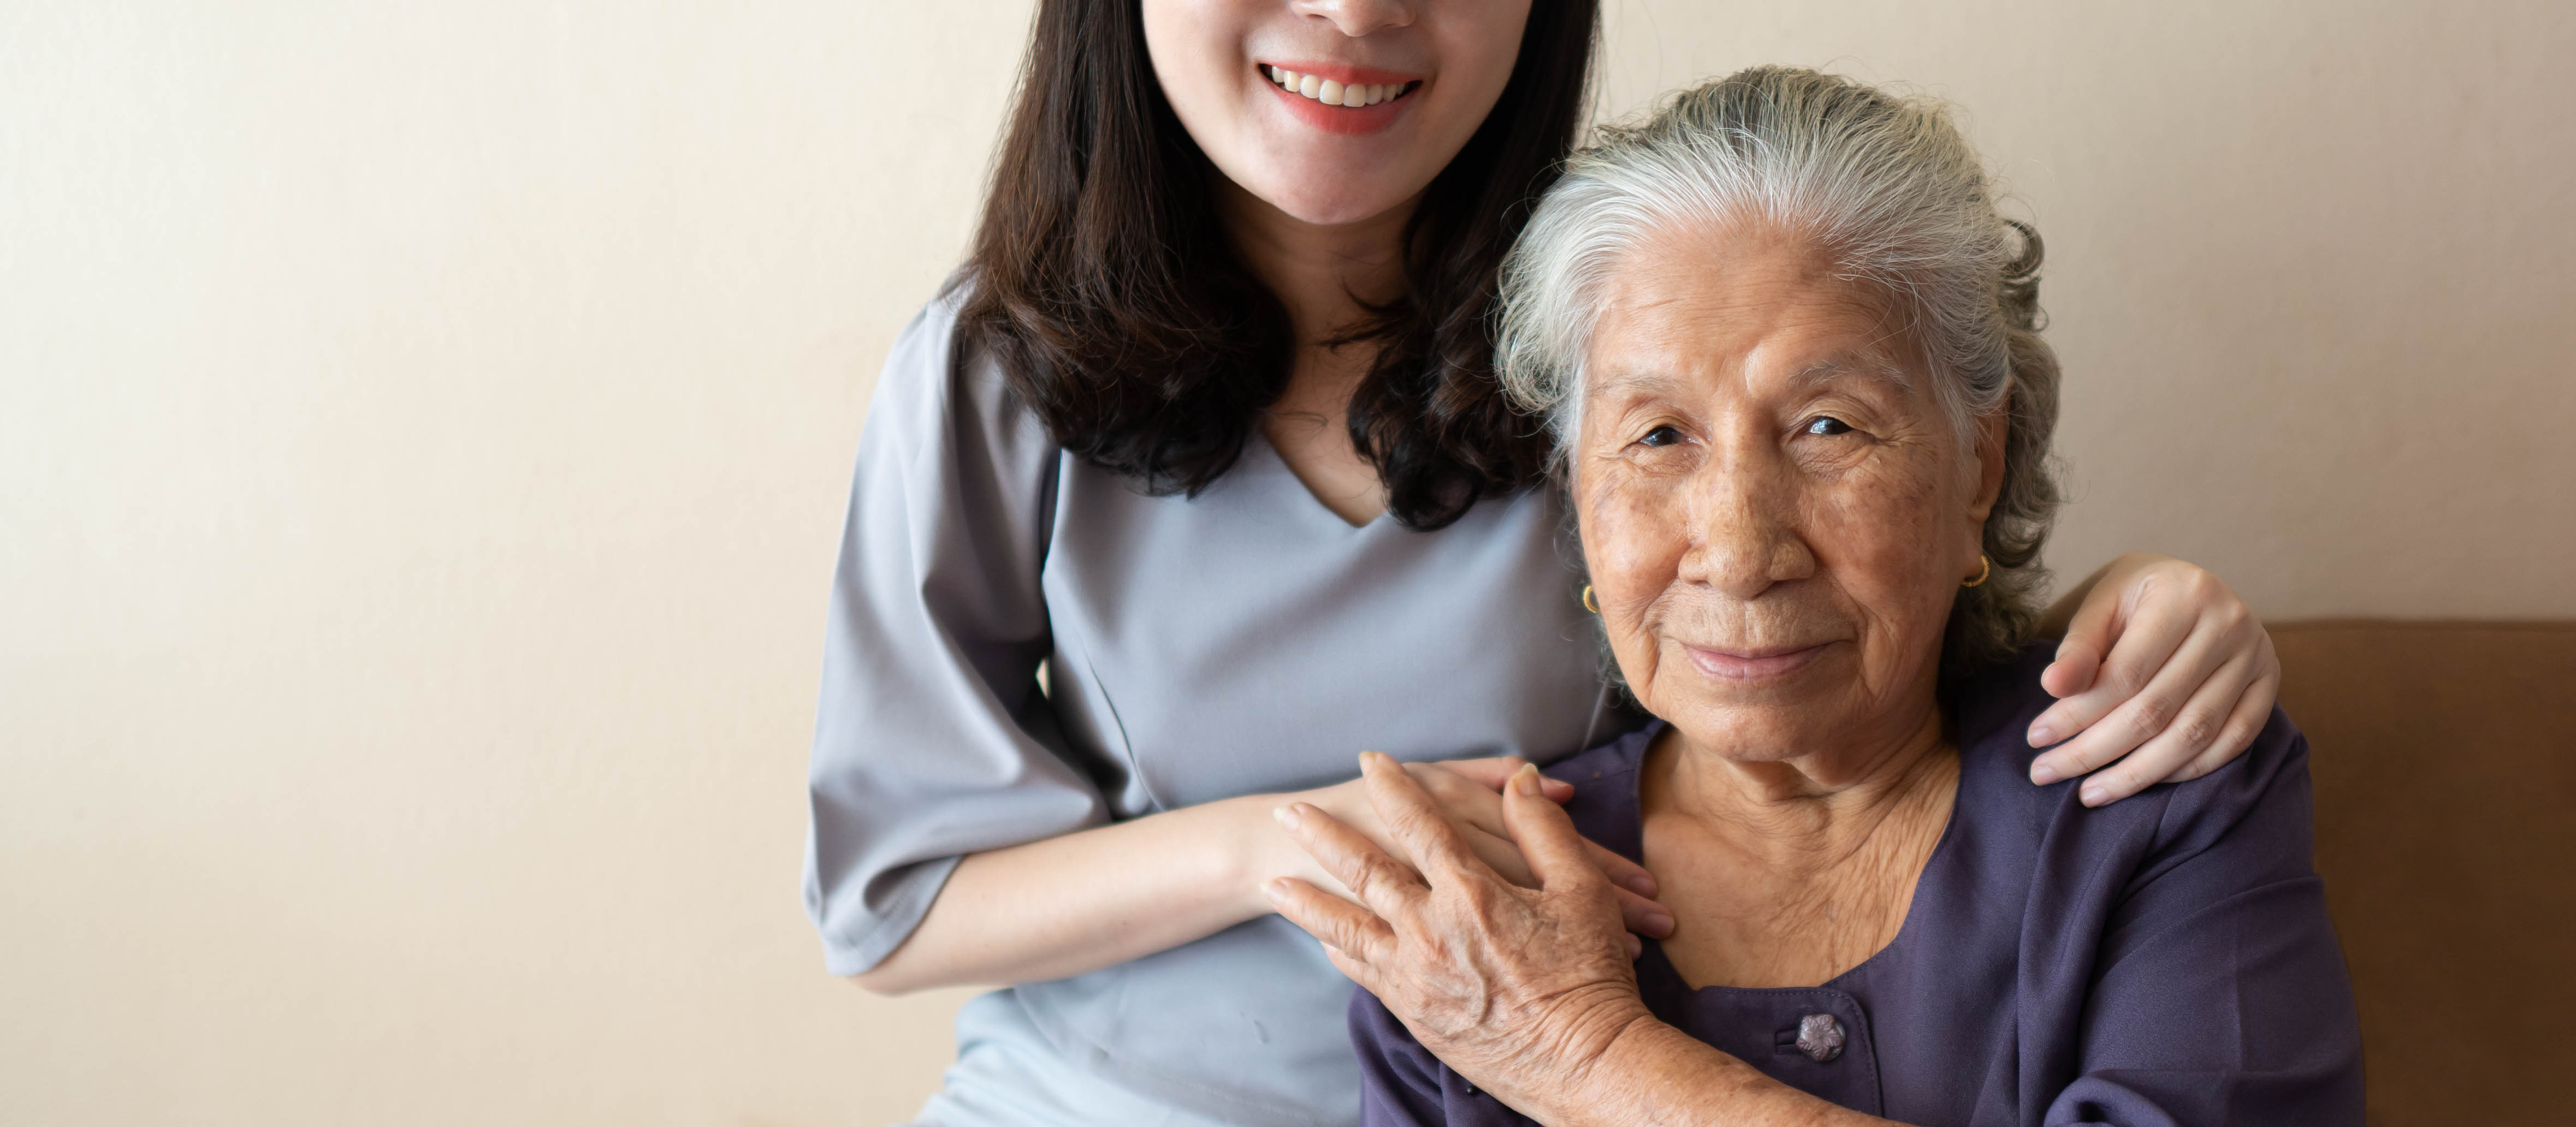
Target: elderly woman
[[1792, 355]]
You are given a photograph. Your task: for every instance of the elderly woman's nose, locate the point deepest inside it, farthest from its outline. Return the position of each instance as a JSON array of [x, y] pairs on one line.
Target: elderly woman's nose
[[1743, 538], [1356, 18]]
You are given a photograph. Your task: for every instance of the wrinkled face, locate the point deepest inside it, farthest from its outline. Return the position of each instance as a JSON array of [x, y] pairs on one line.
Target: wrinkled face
[[1776, 510], [1378, 96]]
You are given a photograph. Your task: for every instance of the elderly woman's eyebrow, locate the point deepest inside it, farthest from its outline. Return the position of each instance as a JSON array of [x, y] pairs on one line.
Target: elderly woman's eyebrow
[[1834, 368], [1640, 381], [1649, 382]]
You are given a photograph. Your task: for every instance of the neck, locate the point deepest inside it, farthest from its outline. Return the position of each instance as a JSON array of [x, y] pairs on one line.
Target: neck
[[1811, 812], [1321, 271]]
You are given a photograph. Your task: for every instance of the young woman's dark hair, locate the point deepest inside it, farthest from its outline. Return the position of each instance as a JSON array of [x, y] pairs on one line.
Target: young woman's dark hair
[[1102, 283]]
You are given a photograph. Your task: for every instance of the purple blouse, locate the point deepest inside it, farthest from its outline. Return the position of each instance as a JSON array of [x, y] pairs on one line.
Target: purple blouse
[[2163, 960]]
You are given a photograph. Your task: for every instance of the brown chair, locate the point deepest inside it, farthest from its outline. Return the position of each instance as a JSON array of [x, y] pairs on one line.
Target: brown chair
[[2445, 765]]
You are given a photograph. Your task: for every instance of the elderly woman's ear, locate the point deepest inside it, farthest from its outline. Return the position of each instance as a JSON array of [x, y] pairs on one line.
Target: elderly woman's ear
[[1992, 429]]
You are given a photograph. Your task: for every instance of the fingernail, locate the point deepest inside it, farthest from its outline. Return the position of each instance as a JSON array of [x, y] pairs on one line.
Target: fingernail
[[2094, 794], [1636, 946], [1276, 888], [1642, 884], [2041, 735], [1527, 780], [2044, 773], [1661, 922], [1288, 816]]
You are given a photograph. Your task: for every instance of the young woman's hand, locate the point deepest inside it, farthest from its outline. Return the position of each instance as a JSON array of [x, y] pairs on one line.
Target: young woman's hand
[[2164, 674], [1468, 793]]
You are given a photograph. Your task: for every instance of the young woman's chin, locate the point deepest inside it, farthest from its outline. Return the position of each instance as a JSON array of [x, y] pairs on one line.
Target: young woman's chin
[[1329, 181], [1329, 206]]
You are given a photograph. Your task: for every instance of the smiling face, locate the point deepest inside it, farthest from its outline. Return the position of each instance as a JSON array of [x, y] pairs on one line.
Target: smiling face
[[1776, 511], [1333, 112]]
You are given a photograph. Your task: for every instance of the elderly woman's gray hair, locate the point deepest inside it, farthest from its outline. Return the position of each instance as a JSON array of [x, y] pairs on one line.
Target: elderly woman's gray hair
[[1888, 188]]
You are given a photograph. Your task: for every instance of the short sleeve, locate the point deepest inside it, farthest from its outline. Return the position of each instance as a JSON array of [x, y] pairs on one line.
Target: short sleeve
[[932, 739], [2220, 995]]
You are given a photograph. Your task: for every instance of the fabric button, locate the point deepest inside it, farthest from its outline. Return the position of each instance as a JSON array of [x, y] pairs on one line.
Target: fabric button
[[1820, 1037]]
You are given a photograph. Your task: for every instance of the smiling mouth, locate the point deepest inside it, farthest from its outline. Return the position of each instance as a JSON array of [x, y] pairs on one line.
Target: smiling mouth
[[1753, 665], [1346, 95]]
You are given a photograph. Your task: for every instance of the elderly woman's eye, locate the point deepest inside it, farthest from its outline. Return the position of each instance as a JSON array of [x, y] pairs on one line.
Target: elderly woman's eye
[[1827, 424], [1661, 436]]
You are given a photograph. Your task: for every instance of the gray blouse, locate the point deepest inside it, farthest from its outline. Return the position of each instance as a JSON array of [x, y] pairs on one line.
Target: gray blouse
[[1243, 641]]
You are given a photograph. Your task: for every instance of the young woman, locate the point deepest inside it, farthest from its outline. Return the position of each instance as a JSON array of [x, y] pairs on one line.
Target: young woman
[[1206, 430]]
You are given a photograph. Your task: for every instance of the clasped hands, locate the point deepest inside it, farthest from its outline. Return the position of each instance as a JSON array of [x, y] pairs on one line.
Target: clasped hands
[[1520, 985]]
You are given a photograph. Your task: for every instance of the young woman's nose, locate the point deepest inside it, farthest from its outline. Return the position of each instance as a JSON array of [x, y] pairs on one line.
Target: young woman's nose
[[1356, 18]]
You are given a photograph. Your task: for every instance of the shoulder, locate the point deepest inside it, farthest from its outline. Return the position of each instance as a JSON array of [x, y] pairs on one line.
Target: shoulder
[[921, 370], [1399, 1079], [2255, 809], [1403, 1085], [1604, 807], [924, 348], [1994, 706], [2259, 806], [930, 397], [1598, 765]]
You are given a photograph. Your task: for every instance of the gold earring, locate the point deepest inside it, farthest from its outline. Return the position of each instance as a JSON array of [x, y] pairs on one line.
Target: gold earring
[[1985, 567], [1588, 604]]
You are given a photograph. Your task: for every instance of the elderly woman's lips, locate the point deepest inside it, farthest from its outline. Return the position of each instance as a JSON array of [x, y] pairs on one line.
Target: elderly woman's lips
[[1753, 665]]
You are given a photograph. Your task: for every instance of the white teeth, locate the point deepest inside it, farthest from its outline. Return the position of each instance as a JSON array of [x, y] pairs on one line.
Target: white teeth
[[1333, 93]]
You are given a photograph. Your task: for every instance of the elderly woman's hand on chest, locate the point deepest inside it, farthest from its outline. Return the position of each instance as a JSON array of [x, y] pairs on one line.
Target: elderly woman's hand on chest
[[1521, 988], [1514, 979], [1528, 993]]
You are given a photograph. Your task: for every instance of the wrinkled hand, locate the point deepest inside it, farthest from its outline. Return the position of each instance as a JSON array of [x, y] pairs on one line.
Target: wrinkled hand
[[1520, 989], [1467, 795], [2187, 683]]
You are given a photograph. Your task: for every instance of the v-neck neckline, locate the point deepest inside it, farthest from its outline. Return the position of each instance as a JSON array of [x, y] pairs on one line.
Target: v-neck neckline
[[1307, 499]]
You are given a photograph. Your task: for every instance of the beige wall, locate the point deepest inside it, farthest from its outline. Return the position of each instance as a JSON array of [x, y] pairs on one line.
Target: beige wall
[[423, 430]]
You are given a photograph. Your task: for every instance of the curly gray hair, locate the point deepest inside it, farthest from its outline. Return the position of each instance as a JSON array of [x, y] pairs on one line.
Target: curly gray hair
[[1884, 184]]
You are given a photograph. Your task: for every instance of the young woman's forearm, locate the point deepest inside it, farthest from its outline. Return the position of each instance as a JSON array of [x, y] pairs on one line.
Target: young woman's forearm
[[1099, 897], [1087, 900]]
